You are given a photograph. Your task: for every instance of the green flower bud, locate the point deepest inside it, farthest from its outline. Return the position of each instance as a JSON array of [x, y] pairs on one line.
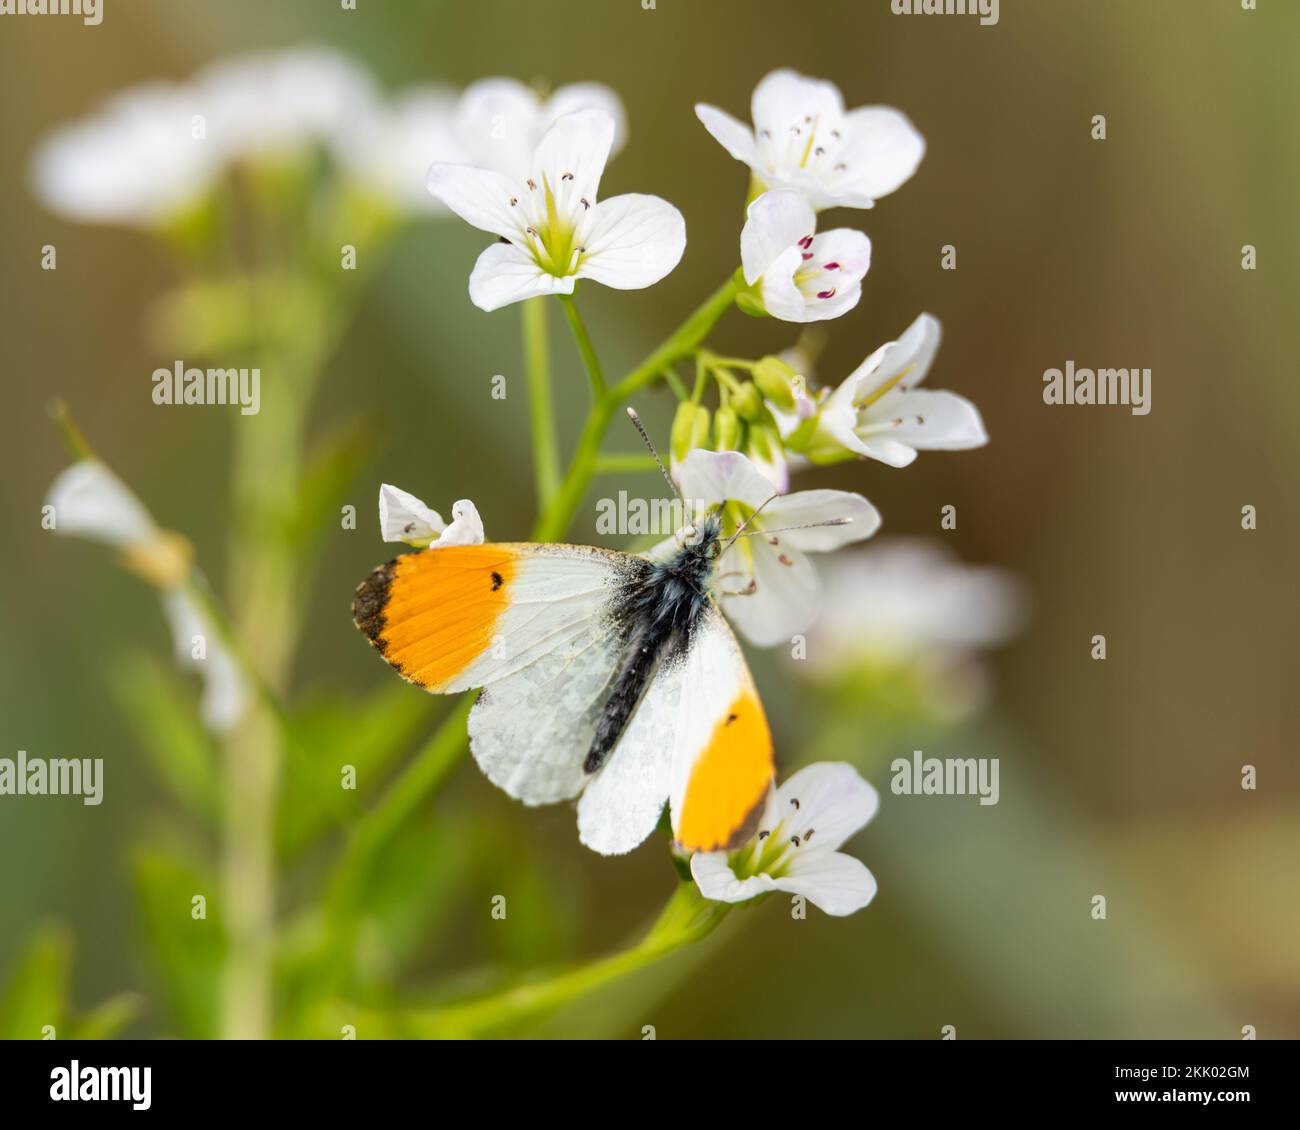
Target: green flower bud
[[775, 379], [763, 443], [726, 428], [750, 303], [690, 429], [747, 401]]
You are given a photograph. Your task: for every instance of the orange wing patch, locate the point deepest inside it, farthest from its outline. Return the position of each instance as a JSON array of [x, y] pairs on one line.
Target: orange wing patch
[[729, 781], [432, 613]]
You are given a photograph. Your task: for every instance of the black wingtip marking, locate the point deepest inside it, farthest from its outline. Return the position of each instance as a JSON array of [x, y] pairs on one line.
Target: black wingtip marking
[[748, 826], [370, 602]]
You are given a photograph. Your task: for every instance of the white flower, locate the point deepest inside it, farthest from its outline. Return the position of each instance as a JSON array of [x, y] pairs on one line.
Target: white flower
[[912, 602], [404, 518], [135, 162], [89, 501], [804, 824], [555, 230], [499, 122], [878, 412], [905, 597], [805, 277], [274, 105], [388, 148], [804, 139], [225, 695], [769, 586]]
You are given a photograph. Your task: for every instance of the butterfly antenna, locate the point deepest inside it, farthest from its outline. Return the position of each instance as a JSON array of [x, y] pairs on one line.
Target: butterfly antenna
[[640, 427], [787, 529], [741, 528]]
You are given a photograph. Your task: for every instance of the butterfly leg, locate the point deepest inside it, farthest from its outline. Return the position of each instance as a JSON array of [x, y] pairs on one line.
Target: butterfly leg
[[751, 587]]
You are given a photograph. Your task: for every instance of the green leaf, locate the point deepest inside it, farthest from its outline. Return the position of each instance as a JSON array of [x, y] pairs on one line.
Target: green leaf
[[162, 713], [332, 733], [189, 951], [107, 1018], [36, 995], [331, 466]]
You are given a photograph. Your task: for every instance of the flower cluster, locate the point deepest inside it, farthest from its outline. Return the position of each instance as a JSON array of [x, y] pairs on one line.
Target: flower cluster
[[806, 153], [527, 169], [154, 154]]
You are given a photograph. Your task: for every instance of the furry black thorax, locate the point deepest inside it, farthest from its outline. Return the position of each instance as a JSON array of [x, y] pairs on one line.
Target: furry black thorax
[[657, 607]]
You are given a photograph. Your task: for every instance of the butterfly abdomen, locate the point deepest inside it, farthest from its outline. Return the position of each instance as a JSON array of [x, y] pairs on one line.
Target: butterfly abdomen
[[656, 610]]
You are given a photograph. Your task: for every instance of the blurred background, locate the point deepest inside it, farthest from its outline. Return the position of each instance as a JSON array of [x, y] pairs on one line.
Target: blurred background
[[1120, 778]]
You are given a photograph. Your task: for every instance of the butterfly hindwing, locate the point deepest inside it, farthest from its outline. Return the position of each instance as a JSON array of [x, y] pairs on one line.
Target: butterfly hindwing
[[722, 756]]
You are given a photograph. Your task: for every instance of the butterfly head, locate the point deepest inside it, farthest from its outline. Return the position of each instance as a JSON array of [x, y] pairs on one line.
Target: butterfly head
[[701, 540]]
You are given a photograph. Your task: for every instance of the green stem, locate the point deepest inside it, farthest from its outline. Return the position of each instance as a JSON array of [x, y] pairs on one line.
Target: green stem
[[589, 359], [617, 464], [555, 522], [546, 451], [265, 594], [688, 917], [675, 383], [75, 442], [426, 771]]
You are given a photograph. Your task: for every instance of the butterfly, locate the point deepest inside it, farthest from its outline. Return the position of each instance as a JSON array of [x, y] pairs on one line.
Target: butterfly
[[608, 676]]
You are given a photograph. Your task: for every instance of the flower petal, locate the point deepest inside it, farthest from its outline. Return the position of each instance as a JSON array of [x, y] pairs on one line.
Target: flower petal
[[883, 151], [388, 149], [712, 477], [404, 518], [774, 223], [576, 96], [714, 877], [806, 507], [782, 298], [135, 162], [834, 801], [505, 273], [633, 241], [836, 883], [899, 364], [90, 501], [884, 449], [734, 136], [478, 196], [787, 596], [843, 252], [225, 695], [785, 97], [903, 598], [931, 420], [499, 120], [466, 526], [572, 155]]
